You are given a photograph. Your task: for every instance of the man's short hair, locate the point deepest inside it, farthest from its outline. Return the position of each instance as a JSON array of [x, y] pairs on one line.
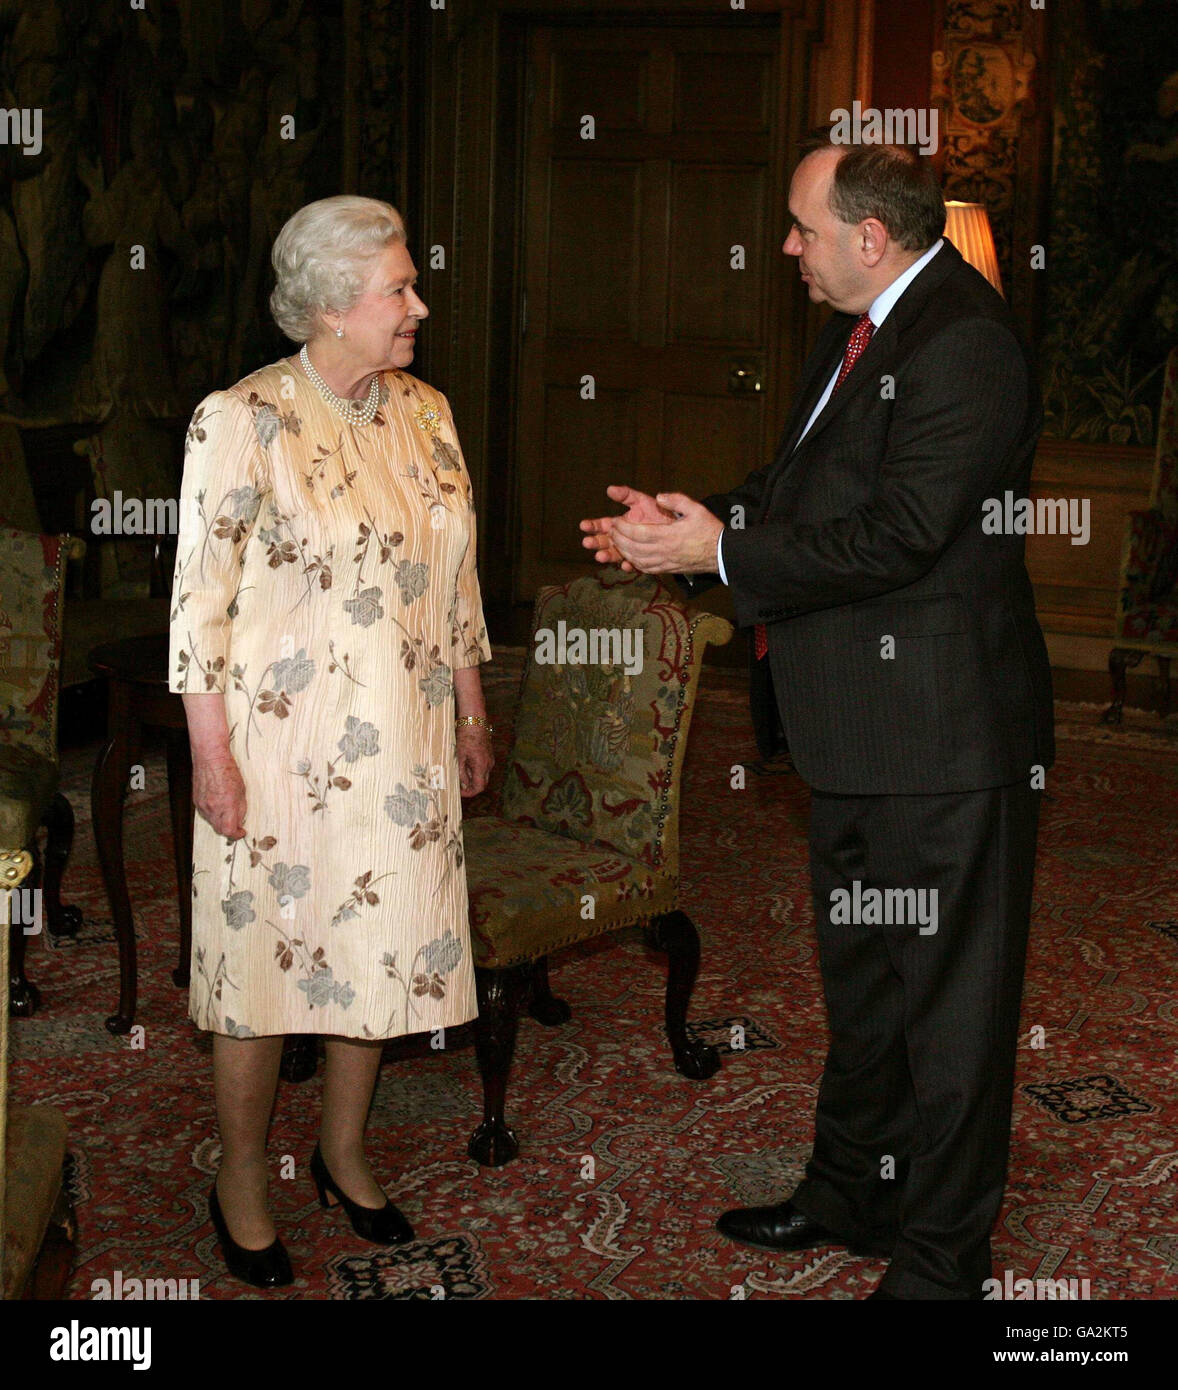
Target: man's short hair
[[893, 183]]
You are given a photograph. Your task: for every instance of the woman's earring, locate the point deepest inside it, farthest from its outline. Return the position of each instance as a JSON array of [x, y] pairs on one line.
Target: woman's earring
[[339, 332]]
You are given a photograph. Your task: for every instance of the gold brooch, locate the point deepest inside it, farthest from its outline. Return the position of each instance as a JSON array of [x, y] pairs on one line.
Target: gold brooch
[[429, 418]]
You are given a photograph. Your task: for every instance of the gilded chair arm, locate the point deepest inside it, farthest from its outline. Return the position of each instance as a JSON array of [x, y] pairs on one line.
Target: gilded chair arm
[[15, 866]]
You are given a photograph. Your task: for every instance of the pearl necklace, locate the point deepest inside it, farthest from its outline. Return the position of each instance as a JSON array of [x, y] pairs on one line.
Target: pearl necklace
[[353, 412]]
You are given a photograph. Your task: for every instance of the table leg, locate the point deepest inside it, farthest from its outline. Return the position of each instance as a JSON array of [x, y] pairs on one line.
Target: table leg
[[180, 802], [107, 790]]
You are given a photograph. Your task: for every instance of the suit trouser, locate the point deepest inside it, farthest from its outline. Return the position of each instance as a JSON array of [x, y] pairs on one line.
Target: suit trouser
[[923, 1028]]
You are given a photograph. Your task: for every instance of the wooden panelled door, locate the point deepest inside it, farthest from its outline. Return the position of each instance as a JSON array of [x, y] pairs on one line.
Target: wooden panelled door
[[655, 213]]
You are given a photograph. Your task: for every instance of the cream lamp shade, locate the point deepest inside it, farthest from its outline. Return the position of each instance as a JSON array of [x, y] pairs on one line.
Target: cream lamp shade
[[968, 227]]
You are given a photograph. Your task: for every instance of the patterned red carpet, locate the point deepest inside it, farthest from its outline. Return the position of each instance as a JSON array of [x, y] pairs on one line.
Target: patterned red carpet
[[624, 1164]]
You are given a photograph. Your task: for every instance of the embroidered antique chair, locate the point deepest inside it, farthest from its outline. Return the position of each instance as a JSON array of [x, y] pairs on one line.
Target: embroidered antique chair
[[32, 577], [588, 839], [1147, 615], [36, 1217]]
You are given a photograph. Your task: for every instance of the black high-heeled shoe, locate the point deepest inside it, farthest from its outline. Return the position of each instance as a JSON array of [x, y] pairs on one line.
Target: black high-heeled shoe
[[382, 1225], [264, 1269]]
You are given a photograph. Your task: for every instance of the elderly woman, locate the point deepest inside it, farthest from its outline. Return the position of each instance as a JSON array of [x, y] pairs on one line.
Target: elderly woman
[[326, 633]]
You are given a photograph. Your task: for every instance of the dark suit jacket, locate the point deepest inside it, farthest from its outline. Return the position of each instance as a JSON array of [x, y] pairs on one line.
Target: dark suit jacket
[[872, 529]]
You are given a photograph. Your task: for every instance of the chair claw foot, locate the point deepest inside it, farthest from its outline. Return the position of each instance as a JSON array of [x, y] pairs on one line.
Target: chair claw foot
[[24, 999], [68, 923], [551, 1012], [493, 1144], [697, 1060]]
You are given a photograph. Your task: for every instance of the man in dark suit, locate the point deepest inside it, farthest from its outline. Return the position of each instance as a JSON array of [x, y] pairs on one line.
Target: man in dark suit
[[905, 669]]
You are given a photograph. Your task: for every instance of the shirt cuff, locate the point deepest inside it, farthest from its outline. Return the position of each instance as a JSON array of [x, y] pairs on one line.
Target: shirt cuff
[[720, 557]]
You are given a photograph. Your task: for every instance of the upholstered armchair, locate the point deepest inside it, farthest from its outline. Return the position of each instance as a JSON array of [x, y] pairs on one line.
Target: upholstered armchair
[[32, 577], [36, 1217], [1147, 615], [588, 838]]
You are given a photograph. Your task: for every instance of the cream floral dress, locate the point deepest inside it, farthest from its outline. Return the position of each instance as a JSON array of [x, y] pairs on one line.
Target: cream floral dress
[[325, 583]]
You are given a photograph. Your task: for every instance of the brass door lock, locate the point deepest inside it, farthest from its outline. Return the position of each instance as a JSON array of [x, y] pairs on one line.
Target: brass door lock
[[744, 375]]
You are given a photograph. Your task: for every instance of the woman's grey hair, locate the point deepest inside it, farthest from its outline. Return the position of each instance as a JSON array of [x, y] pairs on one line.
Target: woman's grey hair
[[323, 256]]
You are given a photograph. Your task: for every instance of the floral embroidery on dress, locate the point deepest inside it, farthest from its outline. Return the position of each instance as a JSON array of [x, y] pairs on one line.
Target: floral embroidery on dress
[[289, 676], [420, 812], [195, 434], [361, 739], [211, 673], [322, 988], [213, 986], [341, 663], [268, 421], [438, 685], [412, 578], [386, 543], [290, 881], [440, 957], [238, 909], [438, 680], [317, 471], [362, 895], [445, 455], [465, 638], [365, 608]]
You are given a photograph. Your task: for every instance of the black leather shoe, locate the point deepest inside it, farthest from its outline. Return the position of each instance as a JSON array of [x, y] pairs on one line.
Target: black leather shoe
[[264, 1269], [381, 1225], [783, 1227]]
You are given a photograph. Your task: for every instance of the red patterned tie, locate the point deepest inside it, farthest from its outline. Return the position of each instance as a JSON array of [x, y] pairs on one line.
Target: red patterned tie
[[860, 337]]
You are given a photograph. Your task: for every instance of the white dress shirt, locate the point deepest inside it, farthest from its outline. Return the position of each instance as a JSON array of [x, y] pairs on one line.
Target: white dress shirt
[[881, 306]]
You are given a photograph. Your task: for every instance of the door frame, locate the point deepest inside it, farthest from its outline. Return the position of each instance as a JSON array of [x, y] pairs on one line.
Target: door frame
[[463, 188]]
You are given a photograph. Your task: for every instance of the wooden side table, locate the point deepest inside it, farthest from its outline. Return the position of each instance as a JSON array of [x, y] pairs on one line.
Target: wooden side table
[[136, 671]]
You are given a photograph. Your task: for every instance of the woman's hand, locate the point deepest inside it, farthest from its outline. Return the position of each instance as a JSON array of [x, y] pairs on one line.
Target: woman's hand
[[475, 759], [218, 792]]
